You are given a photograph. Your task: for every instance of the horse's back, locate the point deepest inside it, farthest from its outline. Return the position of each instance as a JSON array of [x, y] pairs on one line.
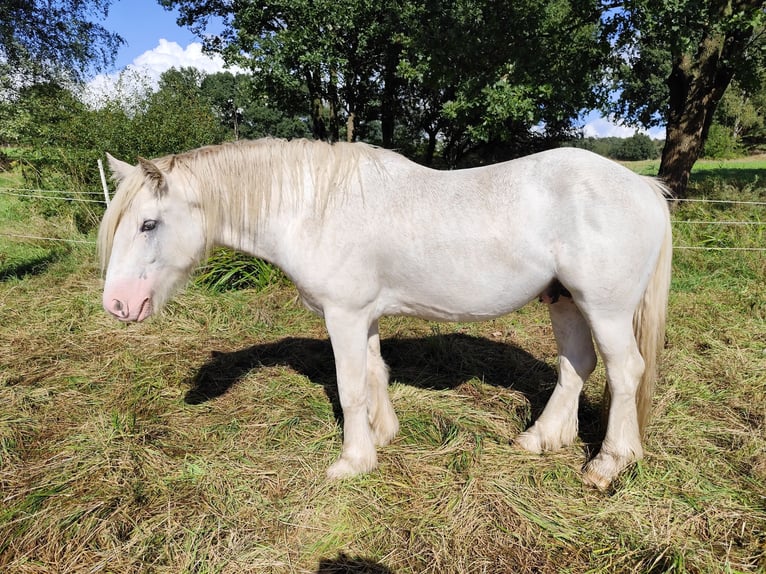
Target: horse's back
[[477, 243], [481, 242]]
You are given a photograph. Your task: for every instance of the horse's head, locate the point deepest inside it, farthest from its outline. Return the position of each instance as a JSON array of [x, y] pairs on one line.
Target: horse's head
[[151, 238]]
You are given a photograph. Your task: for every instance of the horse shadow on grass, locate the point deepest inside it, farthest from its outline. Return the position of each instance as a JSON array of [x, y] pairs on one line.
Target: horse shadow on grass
[[436, 362], [344, 564]]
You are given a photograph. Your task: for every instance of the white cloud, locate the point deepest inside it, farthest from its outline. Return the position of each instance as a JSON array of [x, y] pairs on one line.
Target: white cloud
[[146, 69], [597, 126], [171, 55]]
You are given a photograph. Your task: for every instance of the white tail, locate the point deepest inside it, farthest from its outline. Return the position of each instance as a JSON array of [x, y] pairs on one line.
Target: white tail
[[649, 319]]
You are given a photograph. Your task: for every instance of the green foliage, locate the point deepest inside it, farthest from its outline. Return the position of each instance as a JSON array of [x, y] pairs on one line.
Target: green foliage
[[650, 36], [721, 143], [466, 73], [637, 147], [177, 117], [62, 138], [229, 270], [248, 112], [43, 40], [742, 112]]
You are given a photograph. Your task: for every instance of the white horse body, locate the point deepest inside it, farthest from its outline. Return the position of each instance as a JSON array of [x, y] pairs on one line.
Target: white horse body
[[374, 234]]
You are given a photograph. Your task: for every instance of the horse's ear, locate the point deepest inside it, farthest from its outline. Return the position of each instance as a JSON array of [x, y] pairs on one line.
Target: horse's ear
[[120, 169], [154, 176]]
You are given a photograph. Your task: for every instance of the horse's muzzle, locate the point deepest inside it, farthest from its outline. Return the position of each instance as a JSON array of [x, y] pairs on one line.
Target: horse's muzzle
[[122, 310]]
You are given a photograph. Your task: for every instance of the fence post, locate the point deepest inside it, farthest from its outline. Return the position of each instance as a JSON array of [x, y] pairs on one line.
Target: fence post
[[103, 181]]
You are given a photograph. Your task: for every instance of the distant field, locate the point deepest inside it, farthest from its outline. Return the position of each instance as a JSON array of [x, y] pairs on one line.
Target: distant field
[[197, 442], [742, 169]]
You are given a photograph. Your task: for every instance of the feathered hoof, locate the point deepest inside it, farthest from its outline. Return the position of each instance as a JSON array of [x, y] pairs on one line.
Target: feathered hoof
[[346, 468], [596, 480], [604, 469], [384, 436], [538, 439], [529, 441]]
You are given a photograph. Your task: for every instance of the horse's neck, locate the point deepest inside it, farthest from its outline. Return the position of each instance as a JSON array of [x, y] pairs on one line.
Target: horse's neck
[[260, 208]]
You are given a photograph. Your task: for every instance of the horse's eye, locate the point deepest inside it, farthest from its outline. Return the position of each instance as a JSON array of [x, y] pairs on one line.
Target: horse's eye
[[148, 225]]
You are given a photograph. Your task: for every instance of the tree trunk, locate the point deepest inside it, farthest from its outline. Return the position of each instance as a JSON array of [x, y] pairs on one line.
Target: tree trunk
[[684, 138], [334, 104], [350, 127], [431, 149], [389, 100], [695, 91], [697, 84], [318, 124]]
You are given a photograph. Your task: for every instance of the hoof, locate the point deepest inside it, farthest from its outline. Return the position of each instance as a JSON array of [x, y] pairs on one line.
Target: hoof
[[596, 480], [345, 468], [538, 439], [529, 441], [605, 468]]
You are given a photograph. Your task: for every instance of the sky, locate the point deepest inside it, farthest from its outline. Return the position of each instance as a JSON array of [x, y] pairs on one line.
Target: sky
[[154, 43]]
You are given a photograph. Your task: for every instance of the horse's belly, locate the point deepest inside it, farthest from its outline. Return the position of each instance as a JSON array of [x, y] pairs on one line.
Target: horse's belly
[[452, 300]]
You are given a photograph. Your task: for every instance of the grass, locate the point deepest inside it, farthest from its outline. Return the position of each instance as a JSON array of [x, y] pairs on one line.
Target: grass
[[197, 442], [20, 254], [736, 172]]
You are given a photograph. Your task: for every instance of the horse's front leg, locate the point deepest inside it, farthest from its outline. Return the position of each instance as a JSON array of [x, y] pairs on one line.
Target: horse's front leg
[[348, 335]]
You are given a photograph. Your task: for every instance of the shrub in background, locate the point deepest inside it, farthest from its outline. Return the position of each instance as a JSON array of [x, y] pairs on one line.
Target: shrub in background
[[721, 143], [635, 148]]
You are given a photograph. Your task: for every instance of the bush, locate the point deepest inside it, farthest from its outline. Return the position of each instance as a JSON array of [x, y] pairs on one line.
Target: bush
[[228, 270], [721, 144], [636, 148]]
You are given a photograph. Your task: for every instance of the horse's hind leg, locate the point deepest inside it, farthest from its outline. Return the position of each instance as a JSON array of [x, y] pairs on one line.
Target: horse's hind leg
[[556, 427], [380, 411], [624, 367]]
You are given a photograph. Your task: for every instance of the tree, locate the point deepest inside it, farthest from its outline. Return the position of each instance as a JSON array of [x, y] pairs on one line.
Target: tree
[[637, 147], [62, 138], [246, 111], [490, 74], [673, 63], [50, 39], [466, 72], [321, 52], [178, 116], [742, 112]]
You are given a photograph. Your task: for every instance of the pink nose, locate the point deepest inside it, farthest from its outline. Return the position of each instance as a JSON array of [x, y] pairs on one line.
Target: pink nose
[[118, 308]]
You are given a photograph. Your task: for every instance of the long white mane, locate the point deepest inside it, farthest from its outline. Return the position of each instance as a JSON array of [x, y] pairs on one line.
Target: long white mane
[[256, 176]]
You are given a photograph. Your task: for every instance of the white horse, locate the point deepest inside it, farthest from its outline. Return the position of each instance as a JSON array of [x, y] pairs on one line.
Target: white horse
[[363, 232]]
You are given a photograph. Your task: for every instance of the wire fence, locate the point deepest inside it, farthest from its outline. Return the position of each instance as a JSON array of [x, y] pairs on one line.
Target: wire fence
[[62, 195]]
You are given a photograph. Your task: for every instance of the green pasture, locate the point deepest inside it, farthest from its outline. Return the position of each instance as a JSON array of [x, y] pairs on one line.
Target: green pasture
[[197, 442], [735, 172], [18, 220]]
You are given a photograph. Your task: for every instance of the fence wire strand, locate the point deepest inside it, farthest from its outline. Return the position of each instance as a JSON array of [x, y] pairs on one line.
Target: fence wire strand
[[38, 238], [58, 194], [732, 201], [50, 196]]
